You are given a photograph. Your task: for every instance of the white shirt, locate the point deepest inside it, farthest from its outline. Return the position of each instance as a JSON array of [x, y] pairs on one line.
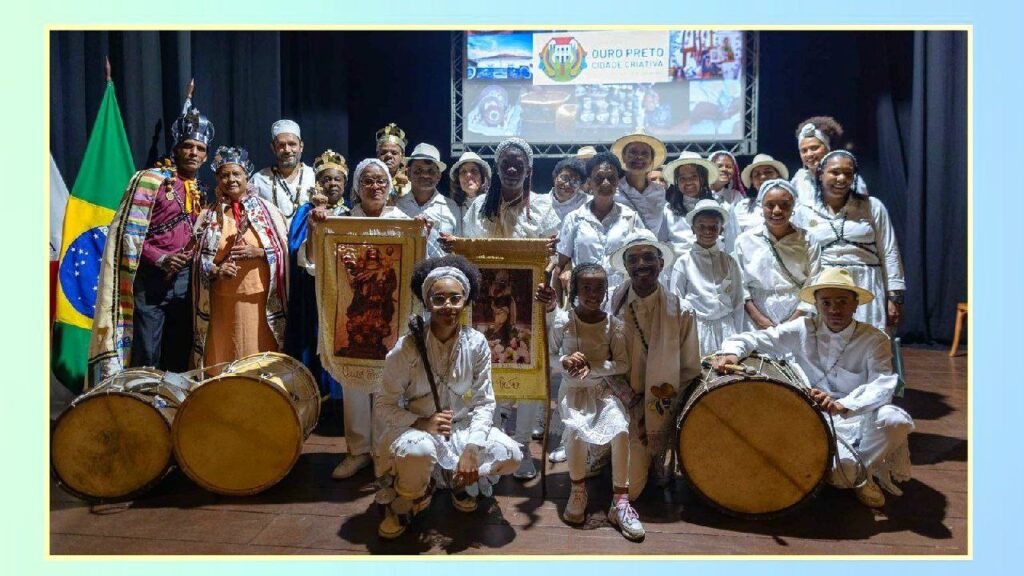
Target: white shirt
[[858, 359], [562, 209], [860, 234], [709, 281], [649, 204], [584, 238], [287, 194], [511, 221], [441, 211], [464, 385]]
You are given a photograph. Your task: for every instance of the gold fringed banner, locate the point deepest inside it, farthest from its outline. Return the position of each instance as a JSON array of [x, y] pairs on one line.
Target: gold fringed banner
[[507, 313], [363, 270]]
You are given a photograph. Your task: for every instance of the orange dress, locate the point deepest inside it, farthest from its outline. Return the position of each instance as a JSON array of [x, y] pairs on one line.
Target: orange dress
[[238, 306]]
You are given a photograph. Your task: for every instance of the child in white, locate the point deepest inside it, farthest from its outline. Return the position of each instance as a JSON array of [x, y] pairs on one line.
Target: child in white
[[590, 347]]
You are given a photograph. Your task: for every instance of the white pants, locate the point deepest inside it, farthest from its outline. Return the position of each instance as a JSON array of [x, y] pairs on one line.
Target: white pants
[[415, 453], [358, 418], [880, 439], [576, 457]]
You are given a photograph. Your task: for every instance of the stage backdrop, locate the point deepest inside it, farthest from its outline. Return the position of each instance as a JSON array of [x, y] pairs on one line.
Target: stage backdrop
[[901, 97]]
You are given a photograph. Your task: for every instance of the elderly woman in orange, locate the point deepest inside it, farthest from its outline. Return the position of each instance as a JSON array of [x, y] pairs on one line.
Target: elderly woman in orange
[[240, 278]]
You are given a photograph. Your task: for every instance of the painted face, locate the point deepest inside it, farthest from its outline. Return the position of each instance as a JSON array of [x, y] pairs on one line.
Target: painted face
[[567, 183], [707, 226], [643, 264], [604, 179], [725, 168], [637, 157], [811, 152], [513, 168], [591, 289], [446, 301], [423, 175], [657, 177], [836, 306], [392, 155], [232, 180], [777, 207], [189, 156], [332, 181], [761, 174], [837, 177], [470, 179], [372, 188], [688, 179], [287, 149]]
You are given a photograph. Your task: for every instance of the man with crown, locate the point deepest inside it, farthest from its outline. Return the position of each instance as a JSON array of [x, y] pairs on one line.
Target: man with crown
[[391, 144], [143, 303], [288, 183]]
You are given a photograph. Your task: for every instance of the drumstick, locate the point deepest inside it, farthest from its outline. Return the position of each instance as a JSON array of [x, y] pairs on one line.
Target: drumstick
[[739, 368]]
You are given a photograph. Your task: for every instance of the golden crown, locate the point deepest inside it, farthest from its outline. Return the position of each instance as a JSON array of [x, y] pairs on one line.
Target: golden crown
[[330, 159], [391, 133]]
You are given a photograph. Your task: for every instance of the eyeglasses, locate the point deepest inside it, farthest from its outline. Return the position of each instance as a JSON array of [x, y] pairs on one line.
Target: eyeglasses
[[453, 300], [374, 182], [645, 257], [568, 179]]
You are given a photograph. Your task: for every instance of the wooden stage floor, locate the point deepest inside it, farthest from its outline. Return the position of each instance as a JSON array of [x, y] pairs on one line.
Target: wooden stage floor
[[308, 513]]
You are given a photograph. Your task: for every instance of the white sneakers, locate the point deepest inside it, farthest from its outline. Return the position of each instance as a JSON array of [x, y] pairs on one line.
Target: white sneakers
[[526, 471], [576, 507], [625, 518], [351, 465], [557, 455]]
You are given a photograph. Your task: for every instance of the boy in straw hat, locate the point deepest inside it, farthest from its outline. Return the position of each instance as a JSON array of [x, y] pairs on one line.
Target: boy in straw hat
[[848, 365], [708, 279]]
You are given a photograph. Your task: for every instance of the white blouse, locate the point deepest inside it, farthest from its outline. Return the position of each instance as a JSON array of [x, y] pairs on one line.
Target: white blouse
[[747, 219], [584, 238], [774, 270], [512, 221], [649, 204], [562, 209]]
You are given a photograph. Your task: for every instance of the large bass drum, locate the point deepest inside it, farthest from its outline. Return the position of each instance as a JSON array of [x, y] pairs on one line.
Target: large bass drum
[[753, 443], [114, 442], [241, 432]]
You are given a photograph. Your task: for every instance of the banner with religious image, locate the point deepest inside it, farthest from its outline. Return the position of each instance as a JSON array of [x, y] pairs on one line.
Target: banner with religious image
[[363, 270], [507, 314]]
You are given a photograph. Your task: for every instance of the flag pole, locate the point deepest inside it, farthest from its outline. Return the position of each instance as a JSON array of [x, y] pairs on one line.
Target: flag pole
[[106, 68]]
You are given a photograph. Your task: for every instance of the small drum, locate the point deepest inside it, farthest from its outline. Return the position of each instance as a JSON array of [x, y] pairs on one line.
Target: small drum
[[754, 444], [241, 432], [114, 441]]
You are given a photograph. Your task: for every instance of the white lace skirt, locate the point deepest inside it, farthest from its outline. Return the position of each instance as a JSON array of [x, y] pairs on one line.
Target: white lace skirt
[[591, 412]]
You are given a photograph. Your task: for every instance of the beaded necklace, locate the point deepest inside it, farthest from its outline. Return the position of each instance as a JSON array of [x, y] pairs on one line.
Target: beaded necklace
[[294, 199]]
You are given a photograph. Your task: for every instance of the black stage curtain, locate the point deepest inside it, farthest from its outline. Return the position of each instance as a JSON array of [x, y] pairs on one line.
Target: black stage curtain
[[901, 97]]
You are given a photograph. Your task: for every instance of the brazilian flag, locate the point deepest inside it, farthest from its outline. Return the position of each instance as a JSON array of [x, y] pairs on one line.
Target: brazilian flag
[[106, 169]]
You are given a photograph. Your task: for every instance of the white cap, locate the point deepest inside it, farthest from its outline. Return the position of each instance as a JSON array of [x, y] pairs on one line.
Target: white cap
[[285, 127]]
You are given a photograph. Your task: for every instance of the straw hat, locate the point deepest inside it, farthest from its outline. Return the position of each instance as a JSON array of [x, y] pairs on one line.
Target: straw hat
[[763, 160], [642, 237], [835, 278], [485, 168], [687, 157], [586, 152], [707, 205], [424, 151], [639, 136]]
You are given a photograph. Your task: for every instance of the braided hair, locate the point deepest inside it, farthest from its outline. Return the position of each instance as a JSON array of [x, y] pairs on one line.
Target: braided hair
[[819, 194], [492, 202], [674, 196], [585, 268]]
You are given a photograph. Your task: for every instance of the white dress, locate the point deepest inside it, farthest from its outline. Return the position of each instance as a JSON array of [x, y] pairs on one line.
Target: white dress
[[649, 204], [584, 238], [708, 280], [462, 368], [286, 194], [861, 239], [773, 272], [860, 377], [589, 410], [512, 221]]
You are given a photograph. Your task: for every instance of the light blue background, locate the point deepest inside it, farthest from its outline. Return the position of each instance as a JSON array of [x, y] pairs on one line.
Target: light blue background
[[994, 442]]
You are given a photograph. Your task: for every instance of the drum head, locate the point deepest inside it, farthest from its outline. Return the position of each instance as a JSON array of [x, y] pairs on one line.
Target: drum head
[[754, 447], [237, 435], [110, 446]]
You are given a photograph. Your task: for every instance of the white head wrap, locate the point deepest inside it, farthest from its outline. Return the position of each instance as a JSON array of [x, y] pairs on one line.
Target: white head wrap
[[775, 183], [359, 172], [811, 131], [285, 127], [444, 272]]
